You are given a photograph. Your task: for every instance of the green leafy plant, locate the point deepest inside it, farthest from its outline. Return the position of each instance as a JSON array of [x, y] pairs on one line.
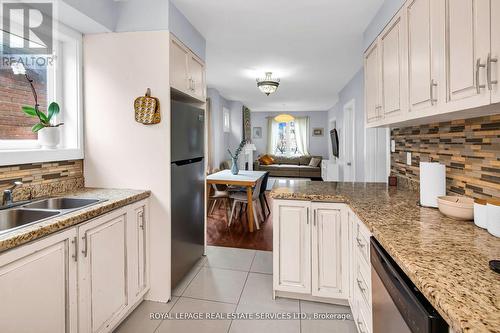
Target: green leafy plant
[[44, 120]]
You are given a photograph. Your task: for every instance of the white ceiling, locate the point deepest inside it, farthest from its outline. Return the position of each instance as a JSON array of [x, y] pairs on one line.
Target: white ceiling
[[314, 46]]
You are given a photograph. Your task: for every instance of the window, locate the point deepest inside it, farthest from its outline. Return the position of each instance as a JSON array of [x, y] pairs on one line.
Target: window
[[226, 120], [286, 143], [57, 79]]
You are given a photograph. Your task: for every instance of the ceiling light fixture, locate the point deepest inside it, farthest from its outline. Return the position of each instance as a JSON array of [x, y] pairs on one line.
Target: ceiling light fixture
[[268, 85], [284, 118]]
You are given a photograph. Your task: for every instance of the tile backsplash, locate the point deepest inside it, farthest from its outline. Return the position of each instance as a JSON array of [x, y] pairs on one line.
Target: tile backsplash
[[43, 179], [470, 149]]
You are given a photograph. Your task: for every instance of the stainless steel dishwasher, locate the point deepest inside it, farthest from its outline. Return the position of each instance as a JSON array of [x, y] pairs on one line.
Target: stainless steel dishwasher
[[398, 306]]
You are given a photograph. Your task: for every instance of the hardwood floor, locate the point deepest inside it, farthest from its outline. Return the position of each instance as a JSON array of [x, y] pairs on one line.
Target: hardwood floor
[[218, 234]]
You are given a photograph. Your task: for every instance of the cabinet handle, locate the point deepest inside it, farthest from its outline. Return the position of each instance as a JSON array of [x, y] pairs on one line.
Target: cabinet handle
[[479, 86], [314, 220], [84, 251], [75, 255], [360, 285], [488, 71], [360, 325], [307, 219], [433, 84], [360, 242], [141, 216]]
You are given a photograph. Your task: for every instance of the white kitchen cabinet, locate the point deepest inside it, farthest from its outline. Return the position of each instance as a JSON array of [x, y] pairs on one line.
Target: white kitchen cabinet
[[292, 246], [102, 272], [139, 250], [38, 291], [468, 41], [425, 27], [493, 61], [187, 71], [392, 43], [330, 251], [439, 61], [373, 104]]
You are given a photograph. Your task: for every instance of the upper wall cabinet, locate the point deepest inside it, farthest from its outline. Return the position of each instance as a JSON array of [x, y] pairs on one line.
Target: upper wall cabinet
[[438, 61], [187, 71], [425, 55], [493, 61], [373, 104], [394, 69]]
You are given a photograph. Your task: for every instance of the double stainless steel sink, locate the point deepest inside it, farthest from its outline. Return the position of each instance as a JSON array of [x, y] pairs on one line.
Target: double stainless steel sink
[[33, 212]]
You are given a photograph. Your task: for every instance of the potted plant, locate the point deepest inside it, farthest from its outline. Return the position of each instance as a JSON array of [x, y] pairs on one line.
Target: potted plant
[[234, 157], [48, 131]]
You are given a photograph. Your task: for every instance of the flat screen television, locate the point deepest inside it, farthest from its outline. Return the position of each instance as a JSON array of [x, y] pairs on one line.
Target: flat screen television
[[335, 142]]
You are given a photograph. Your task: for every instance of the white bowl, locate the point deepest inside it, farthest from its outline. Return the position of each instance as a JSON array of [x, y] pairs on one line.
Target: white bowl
[[458, 208]]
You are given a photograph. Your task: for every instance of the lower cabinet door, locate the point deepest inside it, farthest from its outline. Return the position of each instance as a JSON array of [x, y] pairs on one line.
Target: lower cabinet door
[[38, 286], [103, 276], [292, 244], [138, 250], [330, 251]]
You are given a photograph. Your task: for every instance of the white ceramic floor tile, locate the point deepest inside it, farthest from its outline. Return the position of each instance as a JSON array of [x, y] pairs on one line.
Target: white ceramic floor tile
[[325, 326], [274, 326], [140, 320], [184, 283], [257, 296], [263, 262], [220, 285], [188, 305], [229, 258]]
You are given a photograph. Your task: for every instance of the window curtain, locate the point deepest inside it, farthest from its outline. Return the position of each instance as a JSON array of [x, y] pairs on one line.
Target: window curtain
[[302, 134], [272, 135]]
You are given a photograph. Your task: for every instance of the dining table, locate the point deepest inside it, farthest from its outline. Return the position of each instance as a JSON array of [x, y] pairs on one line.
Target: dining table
[[244, 178]]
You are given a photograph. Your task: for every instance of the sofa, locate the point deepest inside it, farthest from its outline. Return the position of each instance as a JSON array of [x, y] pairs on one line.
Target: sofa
[[290, 167]]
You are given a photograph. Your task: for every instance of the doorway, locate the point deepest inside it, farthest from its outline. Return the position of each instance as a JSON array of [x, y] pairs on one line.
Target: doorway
[[348, 138]]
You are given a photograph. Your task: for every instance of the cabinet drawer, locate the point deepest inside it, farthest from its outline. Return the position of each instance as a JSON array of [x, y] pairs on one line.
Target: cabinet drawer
[[361, 239], [362, 286], [363, 323]]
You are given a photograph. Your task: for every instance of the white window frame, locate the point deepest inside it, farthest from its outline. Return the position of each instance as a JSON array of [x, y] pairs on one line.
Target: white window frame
[[14, 152], [288, 152]]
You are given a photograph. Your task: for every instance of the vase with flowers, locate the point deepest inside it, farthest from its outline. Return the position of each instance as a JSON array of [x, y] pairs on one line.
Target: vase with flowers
[[234, 157], [48, 131]]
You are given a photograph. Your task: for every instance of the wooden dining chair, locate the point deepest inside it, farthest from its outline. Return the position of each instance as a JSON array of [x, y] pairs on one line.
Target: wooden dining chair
[[219, 195]]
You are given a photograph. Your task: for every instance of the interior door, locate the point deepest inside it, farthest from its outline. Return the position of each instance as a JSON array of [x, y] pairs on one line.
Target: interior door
[[292, 244], [102, 270], [38, 286], [372, 83], [347, 156], [179, 56], [468, 46], [330, 251], [393, 66], [494, 59]]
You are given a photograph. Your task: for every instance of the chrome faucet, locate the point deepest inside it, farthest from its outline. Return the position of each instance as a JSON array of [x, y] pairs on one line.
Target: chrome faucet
[[7, 198]]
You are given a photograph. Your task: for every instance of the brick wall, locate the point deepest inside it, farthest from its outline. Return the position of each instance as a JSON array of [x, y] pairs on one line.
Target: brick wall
[[14, 93], [469, 148]]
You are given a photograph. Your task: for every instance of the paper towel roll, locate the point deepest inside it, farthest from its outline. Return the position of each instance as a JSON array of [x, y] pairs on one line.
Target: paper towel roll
[[432, 183]]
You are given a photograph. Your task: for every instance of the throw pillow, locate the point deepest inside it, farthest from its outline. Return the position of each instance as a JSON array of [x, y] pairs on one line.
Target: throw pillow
[[315, 162], [266, 160]]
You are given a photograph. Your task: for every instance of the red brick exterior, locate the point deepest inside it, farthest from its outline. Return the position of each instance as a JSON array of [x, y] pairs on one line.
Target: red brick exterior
[[14, 93]]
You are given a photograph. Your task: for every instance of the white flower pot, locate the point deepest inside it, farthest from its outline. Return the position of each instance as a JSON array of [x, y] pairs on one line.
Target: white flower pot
[[48, 137]]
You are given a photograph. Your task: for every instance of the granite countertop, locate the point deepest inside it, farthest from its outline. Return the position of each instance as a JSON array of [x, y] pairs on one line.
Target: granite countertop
[[115, 198], [446, 259]]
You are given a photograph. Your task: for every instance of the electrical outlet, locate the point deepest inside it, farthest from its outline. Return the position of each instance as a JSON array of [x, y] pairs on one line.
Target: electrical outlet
[[393, 146], [408, 158]]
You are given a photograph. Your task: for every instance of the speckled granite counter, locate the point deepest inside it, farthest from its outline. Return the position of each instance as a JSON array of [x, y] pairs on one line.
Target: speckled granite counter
[[114, 199], [446, 259]]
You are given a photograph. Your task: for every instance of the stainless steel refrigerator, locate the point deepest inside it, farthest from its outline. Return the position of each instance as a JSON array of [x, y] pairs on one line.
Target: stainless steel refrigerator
[[188, 204]]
